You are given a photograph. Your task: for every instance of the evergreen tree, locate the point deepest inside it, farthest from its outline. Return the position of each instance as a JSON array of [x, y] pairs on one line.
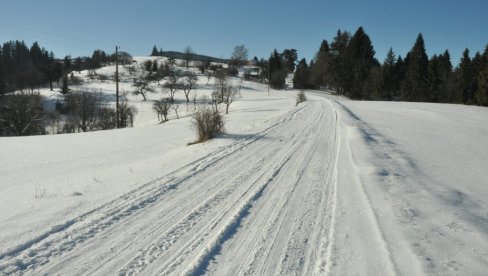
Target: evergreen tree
[[389, 75], [373, 86], [478, 66], [65, 87], [482, 89], [155, 51], [290, 57], [433, 79], [320, 71], [277, 72], [466, 78], [400, 71], [301, 78], [359, 61], [415, 87], [339, 76], [445, 76]]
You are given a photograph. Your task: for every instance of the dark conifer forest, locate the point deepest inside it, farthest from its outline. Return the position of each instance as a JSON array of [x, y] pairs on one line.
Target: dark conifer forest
[[348, 66]]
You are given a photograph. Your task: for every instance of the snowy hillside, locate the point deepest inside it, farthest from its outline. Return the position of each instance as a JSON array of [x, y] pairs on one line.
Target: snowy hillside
[[330, 186]]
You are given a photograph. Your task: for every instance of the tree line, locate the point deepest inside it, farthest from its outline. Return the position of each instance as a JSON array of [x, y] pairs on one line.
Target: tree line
[[348, 66], [22, 111], [23, 67]]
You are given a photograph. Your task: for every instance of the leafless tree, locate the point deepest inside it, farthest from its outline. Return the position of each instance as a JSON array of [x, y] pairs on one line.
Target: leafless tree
[[175, 108], [162, 108], [162, 72], [239, 56], [188, 55], [209, 75], [127, 114], [188, 83], [171, 62], [21, 115], [172, 84], [83, 110], [230, 94], [220, 81], [142, 86], [215, 100]]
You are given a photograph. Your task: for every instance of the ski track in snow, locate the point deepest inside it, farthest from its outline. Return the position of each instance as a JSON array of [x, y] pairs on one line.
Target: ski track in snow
[[282, 178], [317, 191]]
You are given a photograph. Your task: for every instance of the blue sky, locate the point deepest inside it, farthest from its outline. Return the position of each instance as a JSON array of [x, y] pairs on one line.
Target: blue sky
[[214, 27]]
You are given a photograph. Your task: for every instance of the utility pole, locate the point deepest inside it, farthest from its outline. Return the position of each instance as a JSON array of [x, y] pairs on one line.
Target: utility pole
[[117, 124]]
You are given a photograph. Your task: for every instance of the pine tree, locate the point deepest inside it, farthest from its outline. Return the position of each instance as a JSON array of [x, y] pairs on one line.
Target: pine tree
[[301, 78], [320, 71], [277, 70], [482, 89], [466, 78], [390, 78], [339, 76], [290, 56], [415, 86], [433, 79], [155, 51], [445, 76], [65, 87], [359, 60]]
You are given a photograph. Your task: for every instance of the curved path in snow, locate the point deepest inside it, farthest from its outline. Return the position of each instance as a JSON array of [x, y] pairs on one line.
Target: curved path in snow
[[265, 204]]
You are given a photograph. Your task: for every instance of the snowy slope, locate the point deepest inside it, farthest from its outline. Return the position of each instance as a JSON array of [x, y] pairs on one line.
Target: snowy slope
[[413, 189], [331, 186]]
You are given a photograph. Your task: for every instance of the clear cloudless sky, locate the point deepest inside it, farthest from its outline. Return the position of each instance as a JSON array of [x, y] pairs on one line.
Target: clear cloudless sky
[[215, 27]]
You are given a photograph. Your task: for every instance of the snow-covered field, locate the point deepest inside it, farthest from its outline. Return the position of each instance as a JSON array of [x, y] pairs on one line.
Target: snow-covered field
[[331, 186]]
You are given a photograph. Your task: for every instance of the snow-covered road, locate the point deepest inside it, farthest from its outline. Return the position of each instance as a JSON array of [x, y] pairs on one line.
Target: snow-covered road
[[263, 204], [332, 187]]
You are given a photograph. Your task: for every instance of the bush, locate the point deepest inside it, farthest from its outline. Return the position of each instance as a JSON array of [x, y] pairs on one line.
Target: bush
[[162, 109], [207, 123], [301, 97], [127, 114], [22, 115]]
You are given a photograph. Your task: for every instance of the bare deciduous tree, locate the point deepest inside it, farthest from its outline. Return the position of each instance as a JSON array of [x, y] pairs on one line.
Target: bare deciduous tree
[[172, 84], [22, 114], [209, 75], [83, 110], [171, 62], [220, 81], [230, 94], [188, 83], [239, 56], [188, 55], [142, 86], [162, 108], [175, 108]]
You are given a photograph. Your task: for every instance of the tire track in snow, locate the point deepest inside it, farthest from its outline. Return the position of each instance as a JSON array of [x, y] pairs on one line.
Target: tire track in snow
[[65, 237], [268, 229], [138, 264]]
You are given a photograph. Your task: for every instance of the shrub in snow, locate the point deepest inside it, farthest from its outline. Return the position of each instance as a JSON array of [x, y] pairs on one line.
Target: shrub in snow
[[207, 123], [22, 115], [301, 97], [162, 109]]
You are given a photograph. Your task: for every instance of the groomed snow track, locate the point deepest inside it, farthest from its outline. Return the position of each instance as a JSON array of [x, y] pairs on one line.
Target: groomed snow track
[[265, 204]]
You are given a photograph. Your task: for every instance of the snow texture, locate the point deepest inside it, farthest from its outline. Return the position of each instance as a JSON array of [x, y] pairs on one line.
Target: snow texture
[[330, 186]]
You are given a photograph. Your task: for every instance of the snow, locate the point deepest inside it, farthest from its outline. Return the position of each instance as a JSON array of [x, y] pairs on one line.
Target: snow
[[330, 186]]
